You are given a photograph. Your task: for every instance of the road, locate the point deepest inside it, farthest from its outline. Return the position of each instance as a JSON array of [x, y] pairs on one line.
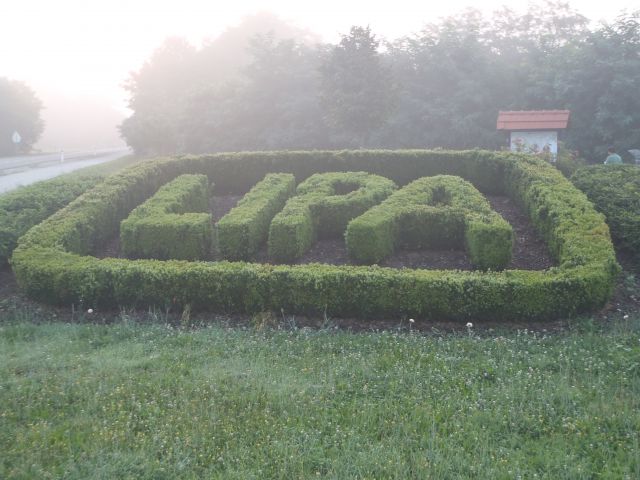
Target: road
[[26, 169]]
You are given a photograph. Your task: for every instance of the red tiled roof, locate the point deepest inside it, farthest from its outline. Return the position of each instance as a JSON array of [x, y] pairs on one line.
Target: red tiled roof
[[533, 120]]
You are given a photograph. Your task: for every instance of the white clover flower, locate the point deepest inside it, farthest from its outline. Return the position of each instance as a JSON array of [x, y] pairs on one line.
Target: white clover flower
[[469, 325], [626, 317], [411, 320], [90, 310]]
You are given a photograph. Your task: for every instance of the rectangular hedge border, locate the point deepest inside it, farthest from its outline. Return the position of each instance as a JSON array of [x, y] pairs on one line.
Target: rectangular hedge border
[[52, 262], [615, 191], [173, 224], [24, 207]]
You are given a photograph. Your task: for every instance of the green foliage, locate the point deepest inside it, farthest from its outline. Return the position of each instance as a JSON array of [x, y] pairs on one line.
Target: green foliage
[[323, 206], [432, 212], [167, 226], [598, 81], [615, 191], [568, 162], [52, 264], [356, 89], [20, 112], [27, 206], [441, 87], [23, 208], [241, 232], [158, 95], [131, 399], [273, 107]]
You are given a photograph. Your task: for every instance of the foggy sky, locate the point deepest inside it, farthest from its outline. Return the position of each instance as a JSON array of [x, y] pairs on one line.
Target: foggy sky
[[86, 48]]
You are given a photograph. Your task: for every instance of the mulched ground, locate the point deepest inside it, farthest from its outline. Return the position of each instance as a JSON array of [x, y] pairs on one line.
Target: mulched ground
[[529, 251]]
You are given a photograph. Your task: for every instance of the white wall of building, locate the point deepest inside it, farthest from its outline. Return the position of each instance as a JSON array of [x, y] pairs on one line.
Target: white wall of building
[[534, 142]]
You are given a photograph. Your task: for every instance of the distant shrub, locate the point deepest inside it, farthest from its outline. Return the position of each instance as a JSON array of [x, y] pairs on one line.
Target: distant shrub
[[241, 232], [173, 224], [568, 162], [431, 212], [323, 205], [615, 191]]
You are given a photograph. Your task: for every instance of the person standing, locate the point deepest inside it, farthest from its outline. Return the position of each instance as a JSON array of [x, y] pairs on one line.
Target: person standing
[[613, 158]]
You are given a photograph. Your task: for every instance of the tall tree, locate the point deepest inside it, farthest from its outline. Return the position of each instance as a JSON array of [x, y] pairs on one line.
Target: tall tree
[[600, 83], [449, 87], [440, 88], [272, 104], [157, 96], [356, 89], [19, 112]]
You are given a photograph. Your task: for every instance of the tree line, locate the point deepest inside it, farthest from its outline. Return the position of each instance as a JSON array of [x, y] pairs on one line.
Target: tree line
[[19, 113], [442, 87]]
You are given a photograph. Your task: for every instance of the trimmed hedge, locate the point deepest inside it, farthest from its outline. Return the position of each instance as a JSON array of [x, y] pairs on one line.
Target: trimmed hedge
[[615, 191], [24, 207], [432, 212], [323, 206], [53, 264], [241, 231], [167, 227]]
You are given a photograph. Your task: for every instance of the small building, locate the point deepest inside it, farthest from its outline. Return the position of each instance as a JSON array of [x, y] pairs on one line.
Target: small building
[[534, 131]]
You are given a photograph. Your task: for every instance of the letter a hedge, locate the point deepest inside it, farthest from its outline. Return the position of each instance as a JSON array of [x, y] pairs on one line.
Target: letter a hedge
[[432, 212]]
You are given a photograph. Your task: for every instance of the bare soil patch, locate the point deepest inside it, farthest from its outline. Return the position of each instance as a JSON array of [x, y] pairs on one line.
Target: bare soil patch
[[529, 251]]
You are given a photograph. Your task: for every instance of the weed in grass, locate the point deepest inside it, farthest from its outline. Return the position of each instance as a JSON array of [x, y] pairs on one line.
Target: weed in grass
[[141, 400]]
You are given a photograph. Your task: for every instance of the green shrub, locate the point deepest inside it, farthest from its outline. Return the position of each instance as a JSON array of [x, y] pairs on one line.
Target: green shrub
[[323, 206], [27, 206], [241, 232], [568, 162], [432, 212], [23, 208], [166, 226], [615, 191], [52, 264]]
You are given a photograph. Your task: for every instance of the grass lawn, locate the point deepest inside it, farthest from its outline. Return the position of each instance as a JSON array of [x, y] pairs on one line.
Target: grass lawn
[[145, 400]]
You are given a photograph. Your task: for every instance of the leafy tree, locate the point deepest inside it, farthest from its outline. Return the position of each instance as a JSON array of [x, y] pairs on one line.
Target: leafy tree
[[440, 88], [282, 86], [356, 89], [19, 112], [449, 87], [601, 88], [272, 105], [158, 94], [184, 99]]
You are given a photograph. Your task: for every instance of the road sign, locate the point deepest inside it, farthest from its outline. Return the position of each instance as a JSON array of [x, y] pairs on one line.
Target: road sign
[[16, 138]]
